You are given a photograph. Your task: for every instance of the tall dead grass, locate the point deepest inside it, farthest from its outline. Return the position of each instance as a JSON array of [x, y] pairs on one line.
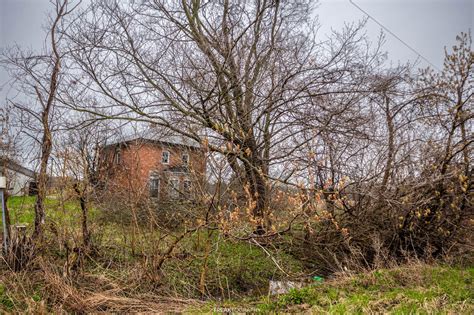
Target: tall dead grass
[[43, 284]]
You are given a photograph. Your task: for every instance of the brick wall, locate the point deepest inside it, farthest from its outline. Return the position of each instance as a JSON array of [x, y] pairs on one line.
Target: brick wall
[[139, 160]]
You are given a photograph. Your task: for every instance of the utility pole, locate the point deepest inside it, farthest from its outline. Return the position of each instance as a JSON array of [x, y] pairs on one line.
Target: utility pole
[[3, 186]]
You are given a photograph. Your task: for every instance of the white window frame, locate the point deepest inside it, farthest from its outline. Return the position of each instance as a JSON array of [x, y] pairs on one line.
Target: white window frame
[[118, 157], [163, 155]]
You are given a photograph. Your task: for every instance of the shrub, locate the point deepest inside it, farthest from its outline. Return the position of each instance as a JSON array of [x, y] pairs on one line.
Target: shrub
[[234, 268]]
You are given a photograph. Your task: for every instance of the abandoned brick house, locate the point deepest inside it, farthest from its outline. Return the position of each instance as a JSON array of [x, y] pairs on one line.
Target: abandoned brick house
[[162, 167]]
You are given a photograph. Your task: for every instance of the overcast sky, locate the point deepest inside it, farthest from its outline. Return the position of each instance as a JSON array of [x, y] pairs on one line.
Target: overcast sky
[[425, 25]]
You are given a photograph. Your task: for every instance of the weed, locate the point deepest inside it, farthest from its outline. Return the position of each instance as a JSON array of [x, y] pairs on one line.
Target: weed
[[415, 289], [5, 301]]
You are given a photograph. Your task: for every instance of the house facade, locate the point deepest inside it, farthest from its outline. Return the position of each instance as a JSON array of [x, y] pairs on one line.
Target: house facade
[[21, 181], [162, 168]]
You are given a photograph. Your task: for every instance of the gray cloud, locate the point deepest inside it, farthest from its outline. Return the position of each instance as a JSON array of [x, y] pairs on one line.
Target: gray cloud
[[426, 25]]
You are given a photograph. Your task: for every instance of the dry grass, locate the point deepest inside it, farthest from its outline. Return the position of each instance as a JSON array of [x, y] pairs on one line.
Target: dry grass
[[44, 290]]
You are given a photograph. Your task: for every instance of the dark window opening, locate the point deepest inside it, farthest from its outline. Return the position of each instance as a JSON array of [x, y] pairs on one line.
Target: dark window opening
[[32, 188], [185, 158], [187, 187], [165, 157], [154, 187]]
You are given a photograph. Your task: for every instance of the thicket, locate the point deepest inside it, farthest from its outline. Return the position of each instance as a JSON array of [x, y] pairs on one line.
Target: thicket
[[320, 157]]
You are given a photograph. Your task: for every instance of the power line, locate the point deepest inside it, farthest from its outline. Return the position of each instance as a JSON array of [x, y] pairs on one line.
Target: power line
[[394, 35]]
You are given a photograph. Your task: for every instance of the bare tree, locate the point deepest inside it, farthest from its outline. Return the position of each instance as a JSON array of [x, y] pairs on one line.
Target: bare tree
[[37, 77], [448, 102], [235, 76], [79, 154]]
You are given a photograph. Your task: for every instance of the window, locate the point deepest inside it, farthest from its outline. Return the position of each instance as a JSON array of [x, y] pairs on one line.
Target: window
[[174, 188], [165, 157], [33, 188], [187, 187], [185, 158], [154, 187], [117, 156]]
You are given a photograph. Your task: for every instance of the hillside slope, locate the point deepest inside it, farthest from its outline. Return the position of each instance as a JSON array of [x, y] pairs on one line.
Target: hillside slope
[[416, 289]]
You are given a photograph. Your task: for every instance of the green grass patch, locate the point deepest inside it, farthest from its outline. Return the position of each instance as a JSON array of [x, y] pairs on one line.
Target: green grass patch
[[6, 303], [21, 209], [418, 289]]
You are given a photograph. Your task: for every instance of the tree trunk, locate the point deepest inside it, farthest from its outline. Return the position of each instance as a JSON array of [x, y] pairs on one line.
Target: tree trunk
[[391, 145], [42, 178], [46, 142], [84, 219], [7, 215], [257, 179]]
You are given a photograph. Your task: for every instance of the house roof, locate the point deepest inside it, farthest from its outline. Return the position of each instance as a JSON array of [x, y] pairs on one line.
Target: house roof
[[154, 135], [14, 166]]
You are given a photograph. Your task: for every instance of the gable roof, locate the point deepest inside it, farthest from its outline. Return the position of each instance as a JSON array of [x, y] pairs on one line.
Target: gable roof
[[14, 166], [155, 135]]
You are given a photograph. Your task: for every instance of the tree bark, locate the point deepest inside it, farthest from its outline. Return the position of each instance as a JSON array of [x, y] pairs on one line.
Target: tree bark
[[84, 218], [46, 141], [391, 144]]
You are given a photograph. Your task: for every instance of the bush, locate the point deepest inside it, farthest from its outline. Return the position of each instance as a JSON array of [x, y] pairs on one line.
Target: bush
[[233, 269], [366, 230]]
